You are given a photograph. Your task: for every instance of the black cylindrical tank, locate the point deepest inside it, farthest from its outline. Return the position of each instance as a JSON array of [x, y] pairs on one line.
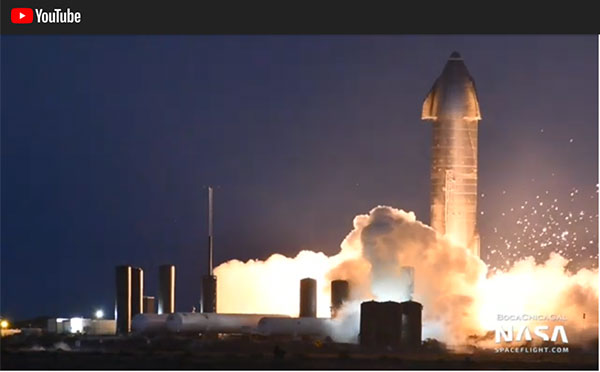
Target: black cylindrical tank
[[137, 291], [166, 289], [209, 294], [308, 298], [123, 299], [380, 325], [149, 305], [340, 292], [411, 324]]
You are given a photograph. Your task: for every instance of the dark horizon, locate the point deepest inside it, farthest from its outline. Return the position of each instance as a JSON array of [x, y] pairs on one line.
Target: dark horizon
[[108, 144]]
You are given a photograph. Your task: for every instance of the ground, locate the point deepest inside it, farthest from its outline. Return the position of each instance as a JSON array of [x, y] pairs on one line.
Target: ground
[[173, 353]]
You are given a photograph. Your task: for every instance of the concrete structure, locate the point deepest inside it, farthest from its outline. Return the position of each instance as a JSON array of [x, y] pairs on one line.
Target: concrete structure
[[381, 324], [166, 289], [209, 294], [123, 299], [340, 292], [308, 298], [95, 327], [453, 108], [57, 325], [411, 324], [149, 305], [391, 325], [137, 291]]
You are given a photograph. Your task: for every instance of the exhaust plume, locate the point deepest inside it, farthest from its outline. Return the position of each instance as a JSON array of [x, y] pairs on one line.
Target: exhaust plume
[[459, 297]]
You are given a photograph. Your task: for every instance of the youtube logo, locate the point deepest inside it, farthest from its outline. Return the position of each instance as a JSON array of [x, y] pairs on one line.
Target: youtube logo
[[21, 15]]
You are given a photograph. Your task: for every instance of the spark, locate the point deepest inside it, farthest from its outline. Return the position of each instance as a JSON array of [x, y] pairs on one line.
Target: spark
[[556, 226]]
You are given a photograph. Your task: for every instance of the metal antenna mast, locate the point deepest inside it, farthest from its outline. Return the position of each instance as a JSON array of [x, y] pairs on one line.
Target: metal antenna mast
[[210, 230]]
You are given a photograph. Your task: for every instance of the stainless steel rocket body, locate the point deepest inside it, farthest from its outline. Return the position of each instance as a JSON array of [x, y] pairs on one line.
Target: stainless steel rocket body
[[453, 108]]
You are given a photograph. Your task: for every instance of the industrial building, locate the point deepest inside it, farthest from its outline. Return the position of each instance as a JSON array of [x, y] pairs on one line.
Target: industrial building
[[388, 324], [382, 324], [391, 325], [123, 299], [166, 289], [258, 324], [77, 325], [137, 291], [130, 302], [149, 305], [340, 293], [308, 298]]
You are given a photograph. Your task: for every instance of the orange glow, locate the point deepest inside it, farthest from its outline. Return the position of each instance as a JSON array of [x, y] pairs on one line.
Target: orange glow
[[458, 296]]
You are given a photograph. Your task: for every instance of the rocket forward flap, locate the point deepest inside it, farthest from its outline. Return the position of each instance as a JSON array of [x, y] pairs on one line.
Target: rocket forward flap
[[453, 95], [428, 112]]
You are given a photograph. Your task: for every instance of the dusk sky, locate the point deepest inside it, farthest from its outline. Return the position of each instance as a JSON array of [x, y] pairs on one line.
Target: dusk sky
[[108, 144]]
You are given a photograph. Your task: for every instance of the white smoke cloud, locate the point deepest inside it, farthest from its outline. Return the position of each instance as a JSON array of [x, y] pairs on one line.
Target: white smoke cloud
[[546, 289], [271, 286], [458, 300]]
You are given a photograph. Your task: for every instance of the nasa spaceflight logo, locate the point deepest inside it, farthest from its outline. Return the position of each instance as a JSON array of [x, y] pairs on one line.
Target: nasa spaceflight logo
[[536, 340], [524, 334]]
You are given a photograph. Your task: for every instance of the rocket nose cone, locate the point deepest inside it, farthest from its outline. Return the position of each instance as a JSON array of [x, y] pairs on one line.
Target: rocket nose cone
[[455, 55], [453, 94]]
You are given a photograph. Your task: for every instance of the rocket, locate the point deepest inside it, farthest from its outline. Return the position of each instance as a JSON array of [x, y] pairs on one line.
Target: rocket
[[453, 109]]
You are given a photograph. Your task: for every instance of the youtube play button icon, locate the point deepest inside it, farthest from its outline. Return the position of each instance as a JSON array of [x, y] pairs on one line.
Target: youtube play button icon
[[21, 15]]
